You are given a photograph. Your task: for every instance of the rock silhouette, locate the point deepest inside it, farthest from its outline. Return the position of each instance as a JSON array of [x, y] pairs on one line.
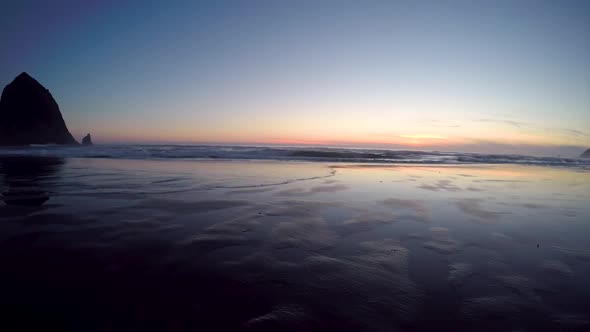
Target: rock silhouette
[[30, 115], [87, 140], [586, 154]]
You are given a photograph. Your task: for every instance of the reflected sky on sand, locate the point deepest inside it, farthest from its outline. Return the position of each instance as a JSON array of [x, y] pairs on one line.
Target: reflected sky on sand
[[26, 181], [292, 246]]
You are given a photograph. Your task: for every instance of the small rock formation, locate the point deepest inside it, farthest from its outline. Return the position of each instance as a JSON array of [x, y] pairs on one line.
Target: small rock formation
[[87, 140], [586, 154], [30, 115]]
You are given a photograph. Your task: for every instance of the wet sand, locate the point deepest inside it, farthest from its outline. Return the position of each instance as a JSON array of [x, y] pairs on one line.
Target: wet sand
[[130, 245]]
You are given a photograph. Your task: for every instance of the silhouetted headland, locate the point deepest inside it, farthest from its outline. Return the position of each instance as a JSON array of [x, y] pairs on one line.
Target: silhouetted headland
[[30, 115], [586, 154]]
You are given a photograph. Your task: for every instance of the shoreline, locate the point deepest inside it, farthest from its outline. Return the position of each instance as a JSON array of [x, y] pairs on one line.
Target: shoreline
[[322, 155]]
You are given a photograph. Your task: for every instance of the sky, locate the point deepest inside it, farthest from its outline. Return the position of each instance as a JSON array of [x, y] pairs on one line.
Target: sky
[[491, 76]]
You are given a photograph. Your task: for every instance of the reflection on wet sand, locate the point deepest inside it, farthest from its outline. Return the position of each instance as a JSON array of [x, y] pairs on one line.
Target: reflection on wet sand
[[25, 179], [178, 247]]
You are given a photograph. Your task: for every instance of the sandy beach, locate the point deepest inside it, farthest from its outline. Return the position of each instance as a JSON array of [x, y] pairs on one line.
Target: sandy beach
[[278, 246]]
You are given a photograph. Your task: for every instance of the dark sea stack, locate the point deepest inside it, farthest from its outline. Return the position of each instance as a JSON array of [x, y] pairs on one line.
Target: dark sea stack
[[586, 154], [30, 115], [87, 140]]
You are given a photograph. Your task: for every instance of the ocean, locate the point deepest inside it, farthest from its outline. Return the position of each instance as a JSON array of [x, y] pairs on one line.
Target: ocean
[[326, 154]]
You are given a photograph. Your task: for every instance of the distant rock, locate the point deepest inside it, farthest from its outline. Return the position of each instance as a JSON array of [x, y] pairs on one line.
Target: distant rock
[[586, 154], [30, 115], [87, 140]]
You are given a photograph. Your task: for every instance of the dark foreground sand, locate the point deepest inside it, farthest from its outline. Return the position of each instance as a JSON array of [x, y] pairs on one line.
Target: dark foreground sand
[[135, 245]]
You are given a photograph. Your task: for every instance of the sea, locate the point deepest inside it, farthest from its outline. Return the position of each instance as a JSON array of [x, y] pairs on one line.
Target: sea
[[322, 154]]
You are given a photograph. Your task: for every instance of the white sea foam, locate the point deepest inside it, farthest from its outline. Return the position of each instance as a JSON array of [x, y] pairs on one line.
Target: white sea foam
[[283, 153]]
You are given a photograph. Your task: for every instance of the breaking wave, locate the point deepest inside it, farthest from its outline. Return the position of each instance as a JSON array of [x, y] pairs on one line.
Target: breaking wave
[[205, 152]]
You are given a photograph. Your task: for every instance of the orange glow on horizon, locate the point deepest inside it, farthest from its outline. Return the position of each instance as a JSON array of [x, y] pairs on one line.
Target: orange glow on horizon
[[417, 137], [480, 138]]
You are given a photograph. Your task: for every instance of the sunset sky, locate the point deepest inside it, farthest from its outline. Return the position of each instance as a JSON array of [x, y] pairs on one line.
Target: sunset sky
[[493, 76]]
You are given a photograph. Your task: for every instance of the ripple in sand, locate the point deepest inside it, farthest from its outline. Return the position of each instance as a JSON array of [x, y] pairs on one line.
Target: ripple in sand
[[290, 317], [526, 288], [365, 221], [419, 212], [443, 245], [501, 240], [576, 322], [472, 207], [135, 228], [459, 273], [311, 233], [386, 253], [298, 209], [185, 207], [492, 307], [441, 231], [223, 234], [441, 242], [372, 282], [250, 191], [556, 267], [498, 266], [574, 253], [261, 267], [535, 206], [441, 185], [328, 189], [53, 219], [313, 190], [293, 192]]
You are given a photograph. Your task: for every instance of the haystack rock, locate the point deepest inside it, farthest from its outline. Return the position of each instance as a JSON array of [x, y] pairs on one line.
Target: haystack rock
[[30, 115], [87, 140], [586, 154]]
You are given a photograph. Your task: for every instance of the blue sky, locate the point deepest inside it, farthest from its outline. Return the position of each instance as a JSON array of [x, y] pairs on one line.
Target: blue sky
[[503, 76]]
